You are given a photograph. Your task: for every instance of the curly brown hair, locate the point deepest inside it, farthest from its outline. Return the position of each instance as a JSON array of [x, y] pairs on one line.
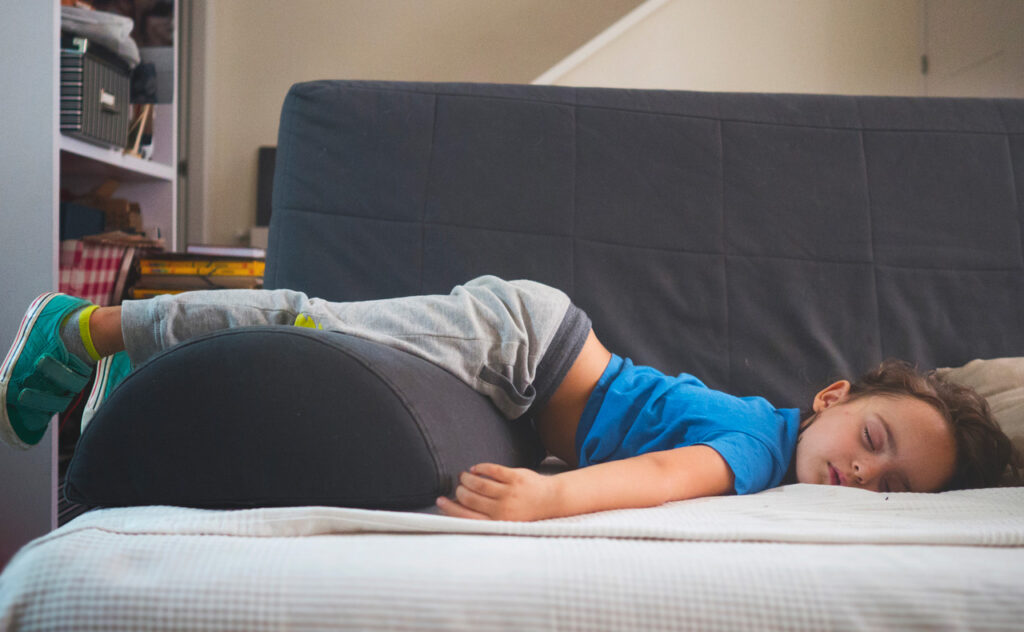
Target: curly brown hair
[[985, 456]]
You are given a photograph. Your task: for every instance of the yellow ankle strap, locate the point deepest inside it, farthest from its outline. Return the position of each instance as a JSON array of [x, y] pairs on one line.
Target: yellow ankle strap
[[83, 329]]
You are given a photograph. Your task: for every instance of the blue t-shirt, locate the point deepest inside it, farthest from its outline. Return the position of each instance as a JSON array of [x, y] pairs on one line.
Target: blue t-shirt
[[637, 409]]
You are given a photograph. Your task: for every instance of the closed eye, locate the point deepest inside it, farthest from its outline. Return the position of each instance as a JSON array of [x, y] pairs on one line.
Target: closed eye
[[867, 436]]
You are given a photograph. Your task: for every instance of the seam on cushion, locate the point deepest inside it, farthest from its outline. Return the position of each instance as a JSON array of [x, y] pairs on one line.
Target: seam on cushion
[[442, 473], [489, 229], [871, 241], [1013, 183], [392, 220], [724, 247], [575, 192], [426, 191], [1017, 195], [772, 257], [492, 229], [435, 223], [676, 114], [893, 266], [884, 130], [637, 246]]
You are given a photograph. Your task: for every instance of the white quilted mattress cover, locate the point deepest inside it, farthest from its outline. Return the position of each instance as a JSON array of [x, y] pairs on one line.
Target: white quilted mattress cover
[[800, 556]]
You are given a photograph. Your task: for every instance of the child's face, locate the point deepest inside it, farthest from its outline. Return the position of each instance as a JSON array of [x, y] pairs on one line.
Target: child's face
[[876, 442]]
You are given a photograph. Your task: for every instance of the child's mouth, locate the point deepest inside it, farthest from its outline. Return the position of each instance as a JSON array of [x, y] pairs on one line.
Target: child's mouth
[[834, 473]]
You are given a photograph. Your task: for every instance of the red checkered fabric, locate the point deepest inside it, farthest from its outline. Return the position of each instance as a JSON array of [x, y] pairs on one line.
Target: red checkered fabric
[[89, 270]]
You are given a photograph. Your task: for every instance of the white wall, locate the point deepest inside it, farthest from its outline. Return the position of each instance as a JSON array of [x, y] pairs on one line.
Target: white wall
[[28, 230], [249, 52], [825, 46]]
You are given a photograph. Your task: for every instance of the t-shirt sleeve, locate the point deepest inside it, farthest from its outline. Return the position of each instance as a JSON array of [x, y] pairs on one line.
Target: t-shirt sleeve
[[749, 458]]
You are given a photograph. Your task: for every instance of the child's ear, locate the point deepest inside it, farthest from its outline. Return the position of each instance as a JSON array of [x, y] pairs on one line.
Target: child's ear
[[831, 395]]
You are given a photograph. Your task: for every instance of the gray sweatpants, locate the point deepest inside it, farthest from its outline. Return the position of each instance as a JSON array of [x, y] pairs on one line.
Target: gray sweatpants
[[512, 341]]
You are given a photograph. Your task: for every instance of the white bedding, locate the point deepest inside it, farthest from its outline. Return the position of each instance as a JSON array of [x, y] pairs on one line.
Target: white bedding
[[801, 556]]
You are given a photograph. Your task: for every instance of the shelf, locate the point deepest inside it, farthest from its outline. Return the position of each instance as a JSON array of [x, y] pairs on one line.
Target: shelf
[[80, 158]]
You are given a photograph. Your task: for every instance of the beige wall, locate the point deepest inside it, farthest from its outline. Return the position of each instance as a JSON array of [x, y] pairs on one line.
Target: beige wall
[[829, 46], [975, 48], [248, 52]]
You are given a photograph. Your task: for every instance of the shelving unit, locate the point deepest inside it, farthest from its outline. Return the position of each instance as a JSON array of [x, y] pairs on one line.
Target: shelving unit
[[36, 162], [78, 157], [152, 183]]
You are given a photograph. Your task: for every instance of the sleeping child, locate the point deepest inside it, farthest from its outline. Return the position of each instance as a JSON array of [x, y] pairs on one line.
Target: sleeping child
[[631, 435]]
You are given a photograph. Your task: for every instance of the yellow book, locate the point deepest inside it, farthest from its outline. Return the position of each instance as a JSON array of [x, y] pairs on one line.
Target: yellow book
[[205, 267], [198, 281]]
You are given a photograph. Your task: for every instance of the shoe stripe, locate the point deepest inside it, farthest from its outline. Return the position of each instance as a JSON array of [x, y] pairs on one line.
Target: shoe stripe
[[99, 387], [29, 319]]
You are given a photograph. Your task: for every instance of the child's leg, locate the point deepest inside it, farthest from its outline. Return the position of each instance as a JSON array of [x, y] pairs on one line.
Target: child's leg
[[105, 329], [512, 341], [152, 325]]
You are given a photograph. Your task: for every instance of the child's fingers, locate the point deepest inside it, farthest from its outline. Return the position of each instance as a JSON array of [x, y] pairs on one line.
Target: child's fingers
[[474, 501], [493, 470], [451, 508], [483, 486]]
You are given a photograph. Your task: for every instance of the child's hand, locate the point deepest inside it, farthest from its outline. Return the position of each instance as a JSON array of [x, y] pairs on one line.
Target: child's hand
[[496, 492]]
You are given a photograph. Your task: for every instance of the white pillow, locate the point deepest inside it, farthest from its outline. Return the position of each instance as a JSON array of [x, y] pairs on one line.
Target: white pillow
[[1001, 382]]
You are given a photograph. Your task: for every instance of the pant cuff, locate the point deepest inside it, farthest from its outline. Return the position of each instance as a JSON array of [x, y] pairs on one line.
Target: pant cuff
[[565, 347]]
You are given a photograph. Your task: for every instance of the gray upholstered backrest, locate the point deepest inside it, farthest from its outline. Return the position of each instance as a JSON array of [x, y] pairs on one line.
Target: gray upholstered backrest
[[765, 243]]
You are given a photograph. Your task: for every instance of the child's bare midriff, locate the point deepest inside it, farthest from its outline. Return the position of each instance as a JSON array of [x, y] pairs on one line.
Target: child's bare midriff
[[557, 422]]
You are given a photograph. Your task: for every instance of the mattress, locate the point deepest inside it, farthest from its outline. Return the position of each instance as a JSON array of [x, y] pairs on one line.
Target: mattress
[[799, 557]]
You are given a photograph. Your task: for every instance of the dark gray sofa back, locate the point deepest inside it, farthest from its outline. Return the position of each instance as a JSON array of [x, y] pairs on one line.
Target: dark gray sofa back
[[765, 243]]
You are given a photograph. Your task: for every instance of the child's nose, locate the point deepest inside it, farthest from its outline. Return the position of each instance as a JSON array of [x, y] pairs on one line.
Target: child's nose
[[864, 472]]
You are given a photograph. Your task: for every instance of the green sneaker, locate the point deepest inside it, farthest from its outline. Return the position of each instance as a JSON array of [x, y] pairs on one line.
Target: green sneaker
[[39, 378], [110, 371]]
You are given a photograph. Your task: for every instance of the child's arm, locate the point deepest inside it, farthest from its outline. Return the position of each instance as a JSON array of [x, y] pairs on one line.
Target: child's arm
[[496, 492]]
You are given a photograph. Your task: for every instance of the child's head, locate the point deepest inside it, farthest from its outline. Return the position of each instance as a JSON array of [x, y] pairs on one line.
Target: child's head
[[895, 429]]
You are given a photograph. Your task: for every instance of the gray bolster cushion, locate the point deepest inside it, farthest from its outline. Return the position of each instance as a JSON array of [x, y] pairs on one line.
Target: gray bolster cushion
[[278, 416]]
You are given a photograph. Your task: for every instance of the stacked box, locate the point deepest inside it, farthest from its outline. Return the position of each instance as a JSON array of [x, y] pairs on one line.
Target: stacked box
[[94, 93]]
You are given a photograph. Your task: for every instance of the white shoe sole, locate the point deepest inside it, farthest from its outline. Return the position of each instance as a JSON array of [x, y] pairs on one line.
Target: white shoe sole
[[99, 390], [28, 321]]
